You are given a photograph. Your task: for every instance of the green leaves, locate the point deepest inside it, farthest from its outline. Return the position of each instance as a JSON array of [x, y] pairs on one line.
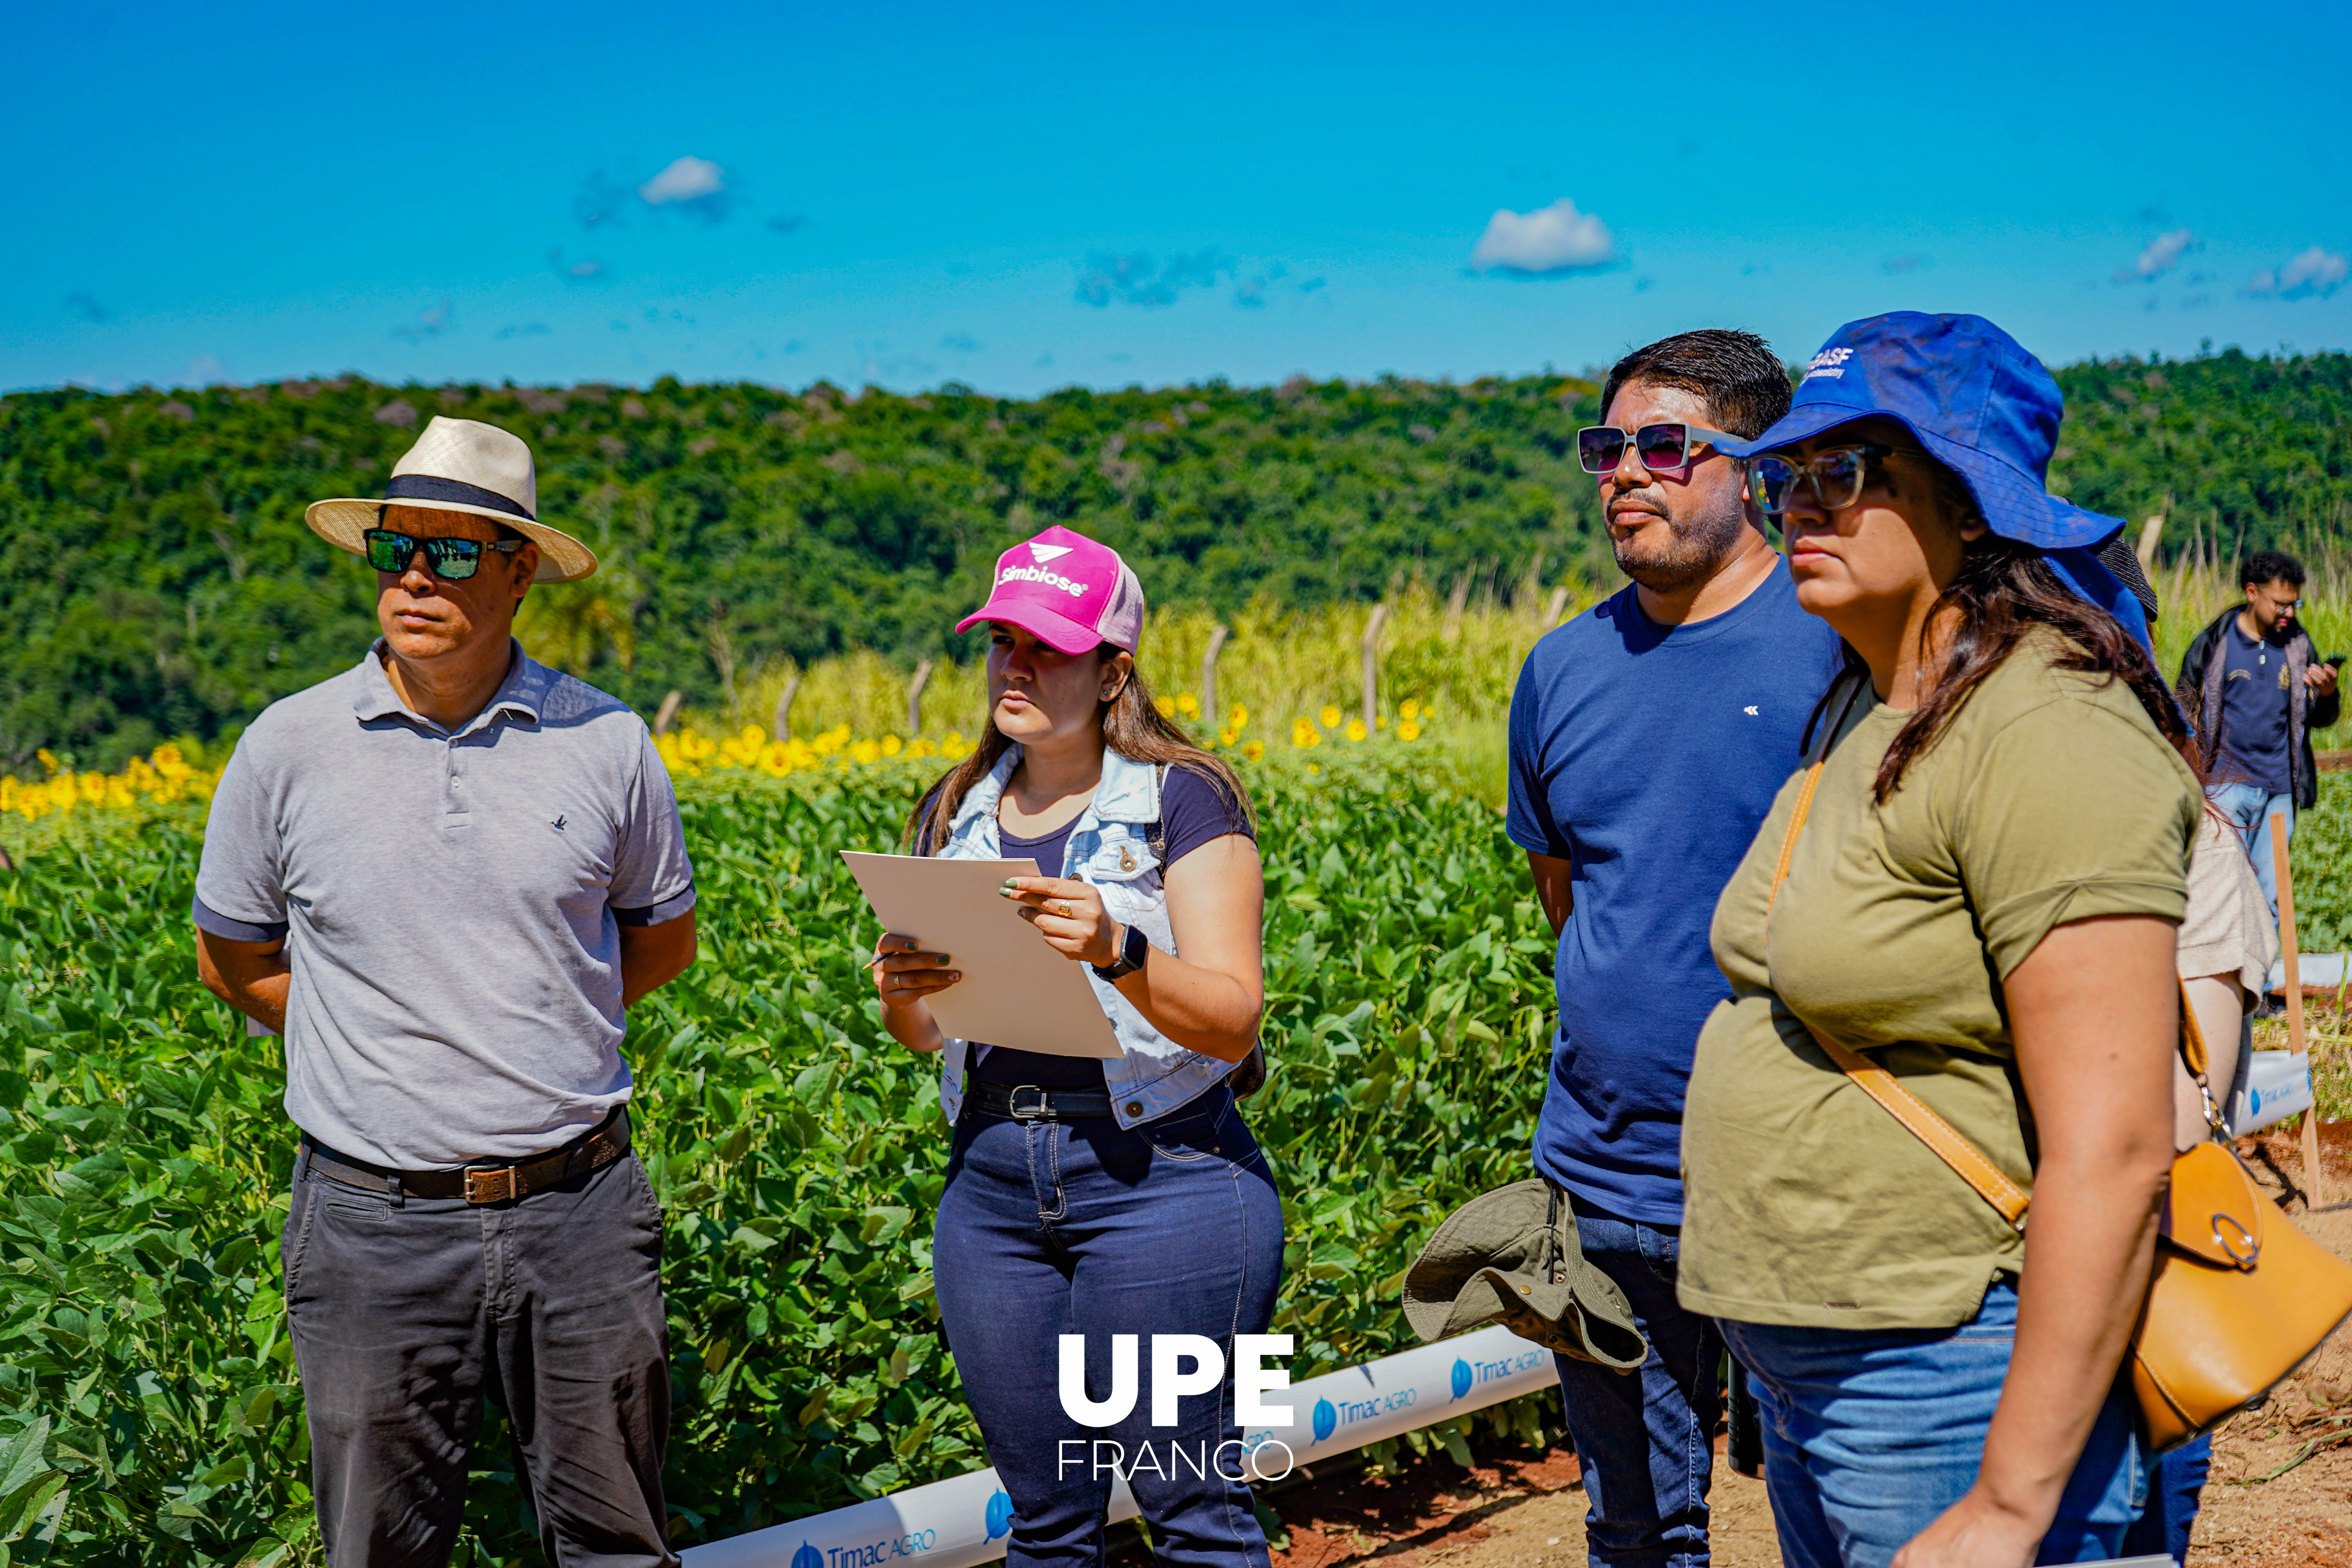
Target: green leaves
[[150, 1411], [32, 1492]]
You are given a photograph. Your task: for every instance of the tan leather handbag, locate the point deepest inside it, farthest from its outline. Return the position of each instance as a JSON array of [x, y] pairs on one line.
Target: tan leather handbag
[[2240, 1296]]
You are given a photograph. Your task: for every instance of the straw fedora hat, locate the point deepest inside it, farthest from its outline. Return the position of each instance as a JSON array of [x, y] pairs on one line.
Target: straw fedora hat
[[461, 465]]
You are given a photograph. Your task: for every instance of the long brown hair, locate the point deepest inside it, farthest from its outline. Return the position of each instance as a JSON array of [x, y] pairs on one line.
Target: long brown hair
[[2002, 590], [1132, 725]]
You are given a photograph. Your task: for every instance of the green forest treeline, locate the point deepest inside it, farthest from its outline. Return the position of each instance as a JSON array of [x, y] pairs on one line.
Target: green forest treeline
[[157, 580]]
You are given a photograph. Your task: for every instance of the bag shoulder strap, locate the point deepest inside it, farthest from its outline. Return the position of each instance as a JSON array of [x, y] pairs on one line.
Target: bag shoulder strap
[[1946, 1141], [1942, 1139]]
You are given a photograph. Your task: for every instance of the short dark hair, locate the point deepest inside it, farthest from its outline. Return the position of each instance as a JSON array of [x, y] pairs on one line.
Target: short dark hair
[[2269, 566], [1744, 382]]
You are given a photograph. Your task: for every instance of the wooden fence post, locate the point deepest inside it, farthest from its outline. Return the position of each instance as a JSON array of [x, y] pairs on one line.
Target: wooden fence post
[[1372, 667], [666, 714], [1553, 610], [914, 698], [1452, 630], [782, 727], [2297, 1040], [2149, 533], [1217, 635]]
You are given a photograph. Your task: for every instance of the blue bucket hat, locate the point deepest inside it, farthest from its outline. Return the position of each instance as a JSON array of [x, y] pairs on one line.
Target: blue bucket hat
[[1981, 406]]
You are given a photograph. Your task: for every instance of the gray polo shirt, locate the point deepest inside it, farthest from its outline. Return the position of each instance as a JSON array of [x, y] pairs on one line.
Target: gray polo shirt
[[451, 905]]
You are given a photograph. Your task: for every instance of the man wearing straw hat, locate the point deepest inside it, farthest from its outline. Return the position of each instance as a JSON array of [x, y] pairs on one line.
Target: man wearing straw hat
[[442, 876]]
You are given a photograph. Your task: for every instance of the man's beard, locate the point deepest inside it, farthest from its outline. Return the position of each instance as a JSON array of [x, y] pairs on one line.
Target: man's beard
[[1694, 550]]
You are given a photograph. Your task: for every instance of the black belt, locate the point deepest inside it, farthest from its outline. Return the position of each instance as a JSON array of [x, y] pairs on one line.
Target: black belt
[[487, 1180], [1027, 1102]]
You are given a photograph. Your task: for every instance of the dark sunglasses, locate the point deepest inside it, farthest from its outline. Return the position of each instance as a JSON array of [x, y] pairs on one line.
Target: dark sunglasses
[[1661, 448], [454, 559], [1835, 477]]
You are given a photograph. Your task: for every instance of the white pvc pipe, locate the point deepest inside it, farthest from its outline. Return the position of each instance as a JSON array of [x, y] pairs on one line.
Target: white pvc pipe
[[2277, 1086], [963, 1522]]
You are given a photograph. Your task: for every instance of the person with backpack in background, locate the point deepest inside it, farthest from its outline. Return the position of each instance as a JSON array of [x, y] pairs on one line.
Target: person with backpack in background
[[1088, 1197], [2255, 691]]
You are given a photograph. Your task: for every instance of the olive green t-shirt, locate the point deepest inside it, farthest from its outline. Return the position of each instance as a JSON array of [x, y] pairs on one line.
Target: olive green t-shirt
[[2048, 798]]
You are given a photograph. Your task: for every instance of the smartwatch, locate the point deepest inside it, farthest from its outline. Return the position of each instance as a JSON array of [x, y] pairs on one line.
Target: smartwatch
[[1132, 946]]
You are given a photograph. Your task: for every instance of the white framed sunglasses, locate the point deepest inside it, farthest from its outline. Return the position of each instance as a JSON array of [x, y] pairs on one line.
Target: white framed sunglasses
[[1661, 448]]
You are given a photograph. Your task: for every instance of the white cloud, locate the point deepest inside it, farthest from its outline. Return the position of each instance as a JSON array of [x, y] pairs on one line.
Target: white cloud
[[1557, 238], [688, 179], [1139, 279], [429, 323], [2160, 255], [2314, 273], [582, 272], [204, 371]]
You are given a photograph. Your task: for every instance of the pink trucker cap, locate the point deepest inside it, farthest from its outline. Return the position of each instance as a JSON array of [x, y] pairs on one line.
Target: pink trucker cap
[[1068, 591]]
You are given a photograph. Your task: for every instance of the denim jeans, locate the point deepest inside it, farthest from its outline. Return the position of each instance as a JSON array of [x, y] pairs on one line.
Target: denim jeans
[[2248, 808], [1082, 1227], [2176, 1485], [404, 1316], [1643, 1439], [1869, 1436]]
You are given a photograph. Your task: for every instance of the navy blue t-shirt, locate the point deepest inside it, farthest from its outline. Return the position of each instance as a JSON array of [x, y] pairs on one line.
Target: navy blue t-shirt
[[2253, 709], [1647, 756], [1193, 809]]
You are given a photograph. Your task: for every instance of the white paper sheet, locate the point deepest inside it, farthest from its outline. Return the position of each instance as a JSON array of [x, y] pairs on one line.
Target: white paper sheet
[[1017, 990]]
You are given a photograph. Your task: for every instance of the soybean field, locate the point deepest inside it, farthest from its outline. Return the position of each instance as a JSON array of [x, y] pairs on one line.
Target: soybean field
[[150, 1412]]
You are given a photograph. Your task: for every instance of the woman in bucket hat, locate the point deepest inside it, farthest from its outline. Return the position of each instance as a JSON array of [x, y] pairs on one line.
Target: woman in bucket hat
[[1121, 1201], [1975, 884]]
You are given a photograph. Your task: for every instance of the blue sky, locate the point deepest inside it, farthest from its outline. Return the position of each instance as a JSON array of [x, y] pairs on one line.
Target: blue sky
[[1027, 196]]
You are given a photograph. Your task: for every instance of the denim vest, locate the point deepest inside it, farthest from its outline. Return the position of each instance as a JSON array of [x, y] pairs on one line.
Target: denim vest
[[1109, 848]]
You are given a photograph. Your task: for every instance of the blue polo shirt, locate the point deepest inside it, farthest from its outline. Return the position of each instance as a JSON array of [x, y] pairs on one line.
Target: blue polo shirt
[[1647, 756], [2254, 711]]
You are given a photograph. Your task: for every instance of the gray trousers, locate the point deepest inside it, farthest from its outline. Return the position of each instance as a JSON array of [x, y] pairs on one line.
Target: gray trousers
[[405, 1317]]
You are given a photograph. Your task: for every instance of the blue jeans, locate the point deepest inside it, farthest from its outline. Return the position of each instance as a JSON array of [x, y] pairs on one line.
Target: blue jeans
[[2248, 808], [1082, 1227], [1645, 1440], [2176, 1484], [1869, 1436]]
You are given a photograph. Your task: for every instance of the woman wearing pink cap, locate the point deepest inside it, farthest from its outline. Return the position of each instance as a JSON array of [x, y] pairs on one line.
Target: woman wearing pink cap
[[1101, 1199]]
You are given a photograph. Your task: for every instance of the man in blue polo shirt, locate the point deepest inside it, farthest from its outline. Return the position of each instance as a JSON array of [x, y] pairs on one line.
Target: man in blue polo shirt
[[442, 876], [1648, 737]]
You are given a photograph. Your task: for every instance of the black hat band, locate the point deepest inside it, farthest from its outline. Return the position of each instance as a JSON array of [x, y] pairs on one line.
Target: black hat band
[[427, 487]]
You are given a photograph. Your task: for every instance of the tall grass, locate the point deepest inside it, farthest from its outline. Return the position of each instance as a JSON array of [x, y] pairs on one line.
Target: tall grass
[[1455, 655], [1455, 659]]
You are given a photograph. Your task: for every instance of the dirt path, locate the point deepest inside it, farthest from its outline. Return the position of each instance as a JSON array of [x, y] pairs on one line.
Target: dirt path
[[1522, 1509]]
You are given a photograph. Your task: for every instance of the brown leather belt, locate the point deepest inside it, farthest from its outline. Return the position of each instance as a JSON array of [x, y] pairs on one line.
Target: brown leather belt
[[488, 1182]]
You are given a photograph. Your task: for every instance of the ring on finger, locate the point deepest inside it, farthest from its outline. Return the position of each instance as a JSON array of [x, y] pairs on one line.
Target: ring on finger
[[1067, 912]]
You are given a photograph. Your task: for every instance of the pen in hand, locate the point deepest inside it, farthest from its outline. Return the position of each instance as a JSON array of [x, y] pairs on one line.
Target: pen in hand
[[897, 953]]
